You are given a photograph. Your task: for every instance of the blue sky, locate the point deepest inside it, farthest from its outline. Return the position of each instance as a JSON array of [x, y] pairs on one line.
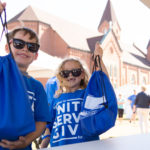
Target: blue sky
[[133, 16]]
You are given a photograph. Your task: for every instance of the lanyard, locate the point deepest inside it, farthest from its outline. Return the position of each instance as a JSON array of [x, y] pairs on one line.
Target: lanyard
[[97, 63], [5, 29]]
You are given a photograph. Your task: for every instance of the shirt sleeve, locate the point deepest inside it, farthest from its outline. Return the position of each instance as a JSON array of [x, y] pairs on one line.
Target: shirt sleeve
[[50, 88]]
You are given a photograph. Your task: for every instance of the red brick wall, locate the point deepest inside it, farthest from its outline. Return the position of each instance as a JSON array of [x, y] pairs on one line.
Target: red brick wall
[[136, 74], [43, 80], [33, 25], [83, 55], [111, 58], [53, 44]]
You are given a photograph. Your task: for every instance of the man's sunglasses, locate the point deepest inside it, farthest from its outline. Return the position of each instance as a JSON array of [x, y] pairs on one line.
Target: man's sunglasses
[[19, 44], [74, 72]]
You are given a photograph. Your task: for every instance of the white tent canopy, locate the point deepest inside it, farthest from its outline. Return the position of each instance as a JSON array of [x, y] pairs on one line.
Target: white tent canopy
[[44, 66], [127, 90]]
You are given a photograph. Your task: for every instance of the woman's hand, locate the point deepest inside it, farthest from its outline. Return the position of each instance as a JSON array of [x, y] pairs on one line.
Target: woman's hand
[[98, 50]]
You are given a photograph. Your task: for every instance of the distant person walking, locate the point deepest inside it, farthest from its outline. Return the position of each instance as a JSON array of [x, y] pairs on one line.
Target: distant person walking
[[142, 103], [132, 101], [120, 102]]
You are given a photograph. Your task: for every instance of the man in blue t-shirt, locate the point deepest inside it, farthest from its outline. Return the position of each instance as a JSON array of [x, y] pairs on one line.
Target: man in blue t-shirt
[[50, 88], [132, 101]]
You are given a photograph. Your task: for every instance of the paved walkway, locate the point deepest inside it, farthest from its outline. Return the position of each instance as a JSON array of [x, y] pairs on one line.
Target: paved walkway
[[122, 129]]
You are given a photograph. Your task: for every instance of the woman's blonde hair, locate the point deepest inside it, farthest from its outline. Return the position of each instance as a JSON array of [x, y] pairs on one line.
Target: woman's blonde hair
[[84, 82]]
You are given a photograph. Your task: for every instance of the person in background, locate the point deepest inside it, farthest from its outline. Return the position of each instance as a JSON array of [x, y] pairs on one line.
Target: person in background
[[24, 45], [51, 87], [142, 103], [66, 106], [132, 101], [120, 102]]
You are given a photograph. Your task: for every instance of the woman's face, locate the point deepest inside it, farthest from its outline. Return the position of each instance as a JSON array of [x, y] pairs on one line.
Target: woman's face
[[74, 75]]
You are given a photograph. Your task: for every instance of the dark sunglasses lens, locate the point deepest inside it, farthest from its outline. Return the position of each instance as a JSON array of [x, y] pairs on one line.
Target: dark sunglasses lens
[[19, 44], [64, 74], [76, 72], [33, 47]]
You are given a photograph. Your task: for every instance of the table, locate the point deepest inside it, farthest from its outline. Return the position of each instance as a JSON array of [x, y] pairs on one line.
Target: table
[[134, 142]]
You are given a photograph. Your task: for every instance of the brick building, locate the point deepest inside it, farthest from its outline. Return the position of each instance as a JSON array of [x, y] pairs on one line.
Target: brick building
[[126, 64]]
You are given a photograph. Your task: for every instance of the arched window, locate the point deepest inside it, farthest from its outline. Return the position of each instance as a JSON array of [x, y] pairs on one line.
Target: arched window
[[143, 80], [133, 81], [115, 84], [115, 71], [107, 67], [111, 50], [111, 70]]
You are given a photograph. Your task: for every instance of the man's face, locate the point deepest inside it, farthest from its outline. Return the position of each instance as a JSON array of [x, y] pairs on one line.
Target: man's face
[[23, 56]]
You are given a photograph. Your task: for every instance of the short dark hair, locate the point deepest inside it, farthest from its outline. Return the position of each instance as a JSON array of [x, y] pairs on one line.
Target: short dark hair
[[26, 30]]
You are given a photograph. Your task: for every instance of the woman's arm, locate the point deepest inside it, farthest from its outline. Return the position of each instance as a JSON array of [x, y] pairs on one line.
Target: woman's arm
[[46, 139], [99, 51]]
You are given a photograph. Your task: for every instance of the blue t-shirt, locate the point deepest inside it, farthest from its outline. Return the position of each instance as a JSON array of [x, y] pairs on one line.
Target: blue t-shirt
[[50, 88], [66, 128], [120, 100], [132, 99], [38, 99]]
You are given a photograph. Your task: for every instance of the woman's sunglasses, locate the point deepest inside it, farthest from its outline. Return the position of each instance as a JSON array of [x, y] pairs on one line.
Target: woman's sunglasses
[[19, 44], [74, 72]]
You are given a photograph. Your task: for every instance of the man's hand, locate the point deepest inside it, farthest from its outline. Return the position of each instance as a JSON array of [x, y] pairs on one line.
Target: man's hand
[[18, 144], [2, 6]]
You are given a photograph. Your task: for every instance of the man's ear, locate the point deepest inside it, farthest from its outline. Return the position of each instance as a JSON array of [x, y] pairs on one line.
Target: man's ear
[[7, 48]]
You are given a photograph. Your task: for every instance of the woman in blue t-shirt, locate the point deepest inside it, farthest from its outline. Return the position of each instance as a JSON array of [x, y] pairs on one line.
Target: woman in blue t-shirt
[[121, 102], [65, 108]]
